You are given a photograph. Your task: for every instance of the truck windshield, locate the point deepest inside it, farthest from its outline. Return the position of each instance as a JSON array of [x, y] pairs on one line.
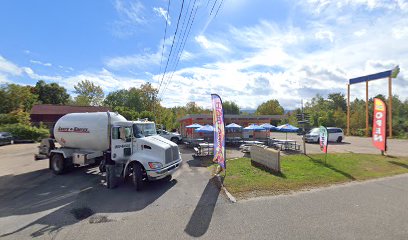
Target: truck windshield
[[144, 129]]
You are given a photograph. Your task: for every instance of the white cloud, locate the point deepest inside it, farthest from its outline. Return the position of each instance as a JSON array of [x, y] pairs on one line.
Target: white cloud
[[104, 78], [320, 6], [400, 32], [296, 63], [130, 11], [8, 67], [187, 56], [131, 16], [360, 33], [36, 76], [211, 45], [4, 79], [41, 63], [138, 61], [325, 34], [162, 12]]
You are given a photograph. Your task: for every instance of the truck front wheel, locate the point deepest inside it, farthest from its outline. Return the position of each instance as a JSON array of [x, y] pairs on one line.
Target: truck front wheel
[[137, 177], [57, 164]]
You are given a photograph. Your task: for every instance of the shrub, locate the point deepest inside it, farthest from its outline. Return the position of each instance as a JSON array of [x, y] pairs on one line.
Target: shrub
[[16, 116], [25, 132]]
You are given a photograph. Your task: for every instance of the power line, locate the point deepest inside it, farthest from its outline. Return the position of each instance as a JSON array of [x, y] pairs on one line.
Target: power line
[[172, 44], [215, 2], [165, 33], [179, 46], [218, 8], [171, 76]]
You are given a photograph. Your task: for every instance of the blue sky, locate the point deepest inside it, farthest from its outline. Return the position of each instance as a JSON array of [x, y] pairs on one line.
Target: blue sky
[[251, 51]]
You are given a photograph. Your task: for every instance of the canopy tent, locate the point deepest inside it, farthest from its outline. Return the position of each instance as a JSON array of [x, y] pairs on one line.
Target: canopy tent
[[267, 126], [287, 128]]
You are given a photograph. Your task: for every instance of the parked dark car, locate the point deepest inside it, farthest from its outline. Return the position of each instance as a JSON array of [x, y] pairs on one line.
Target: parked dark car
[[6, 138]]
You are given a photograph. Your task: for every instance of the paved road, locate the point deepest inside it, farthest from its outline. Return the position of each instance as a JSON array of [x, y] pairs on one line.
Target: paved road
[[396, 147], [191, 206]]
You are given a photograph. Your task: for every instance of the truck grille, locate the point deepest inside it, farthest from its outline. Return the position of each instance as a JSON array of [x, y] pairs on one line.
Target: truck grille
[[172, 154]]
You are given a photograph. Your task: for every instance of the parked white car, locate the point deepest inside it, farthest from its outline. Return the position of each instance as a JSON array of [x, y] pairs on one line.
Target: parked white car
[[174, 137], [335, 135]]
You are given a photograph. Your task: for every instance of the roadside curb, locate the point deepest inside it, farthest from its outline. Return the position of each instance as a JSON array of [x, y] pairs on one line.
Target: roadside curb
[[229, 195]]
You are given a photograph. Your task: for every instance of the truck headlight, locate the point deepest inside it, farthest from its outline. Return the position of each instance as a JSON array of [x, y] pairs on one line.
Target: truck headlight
[[155, 165]]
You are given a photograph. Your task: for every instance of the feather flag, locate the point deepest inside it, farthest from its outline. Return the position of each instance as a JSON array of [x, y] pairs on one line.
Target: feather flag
[[219, 131]]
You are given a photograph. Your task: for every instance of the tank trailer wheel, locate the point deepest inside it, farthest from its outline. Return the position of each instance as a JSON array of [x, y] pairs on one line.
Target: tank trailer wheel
[[57, 164]]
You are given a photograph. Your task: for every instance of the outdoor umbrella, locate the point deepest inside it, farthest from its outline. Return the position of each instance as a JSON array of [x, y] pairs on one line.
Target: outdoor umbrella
[[205, 129], [268, 126], [233, 126], [194, 125], [254, 127], [287, 128]]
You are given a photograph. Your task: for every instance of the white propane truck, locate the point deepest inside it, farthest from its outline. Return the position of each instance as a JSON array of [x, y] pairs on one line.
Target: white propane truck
[[124, 148]]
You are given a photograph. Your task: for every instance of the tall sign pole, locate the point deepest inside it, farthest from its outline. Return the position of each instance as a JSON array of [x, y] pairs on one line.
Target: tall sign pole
[[390, 107], [348, 109], [366, 109]]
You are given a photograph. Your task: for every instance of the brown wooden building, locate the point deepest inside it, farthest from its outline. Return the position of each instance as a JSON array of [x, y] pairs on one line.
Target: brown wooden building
[[49, 114]]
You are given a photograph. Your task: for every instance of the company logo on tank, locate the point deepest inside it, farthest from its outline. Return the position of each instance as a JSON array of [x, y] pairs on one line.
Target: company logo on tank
[[73, 129]]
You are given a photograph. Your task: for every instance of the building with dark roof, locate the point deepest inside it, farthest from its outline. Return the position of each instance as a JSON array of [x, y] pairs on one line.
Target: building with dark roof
[[49, 114]]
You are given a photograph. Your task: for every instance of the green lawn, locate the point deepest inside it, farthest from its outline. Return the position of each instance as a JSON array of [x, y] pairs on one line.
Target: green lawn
[[303, 172]]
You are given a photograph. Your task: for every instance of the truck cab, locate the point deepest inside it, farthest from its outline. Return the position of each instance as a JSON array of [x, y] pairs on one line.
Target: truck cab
[[122, 148], [137, 143]]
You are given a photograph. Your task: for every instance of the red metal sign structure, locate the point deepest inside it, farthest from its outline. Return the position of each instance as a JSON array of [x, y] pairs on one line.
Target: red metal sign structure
[[379, 124]]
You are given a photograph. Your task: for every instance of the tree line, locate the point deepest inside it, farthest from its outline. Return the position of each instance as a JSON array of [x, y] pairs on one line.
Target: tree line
[[332, 111], [143, 102]]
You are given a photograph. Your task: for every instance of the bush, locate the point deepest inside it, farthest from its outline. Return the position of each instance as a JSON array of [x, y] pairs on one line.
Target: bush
[[25, 132], [16, 116]]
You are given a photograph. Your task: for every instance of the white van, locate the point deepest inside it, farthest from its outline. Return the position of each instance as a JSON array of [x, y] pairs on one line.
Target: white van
[[335, 135]]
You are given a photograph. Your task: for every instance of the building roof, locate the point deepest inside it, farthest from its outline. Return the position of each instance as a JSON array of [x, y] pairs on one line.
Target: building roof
[[50, 109], [229, 116]]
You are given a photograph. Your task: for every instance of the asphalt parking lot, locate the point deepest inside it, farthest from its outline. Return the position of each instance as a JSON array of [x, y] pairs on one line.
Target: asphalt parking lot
[[35, 203]]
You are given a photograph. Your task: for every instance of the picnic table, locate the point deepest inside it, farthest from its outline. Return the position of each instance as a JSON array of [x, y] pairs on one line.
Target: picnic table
[[284, 144], [233, 140], [246, 146], [193, 142], [204, 149]]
